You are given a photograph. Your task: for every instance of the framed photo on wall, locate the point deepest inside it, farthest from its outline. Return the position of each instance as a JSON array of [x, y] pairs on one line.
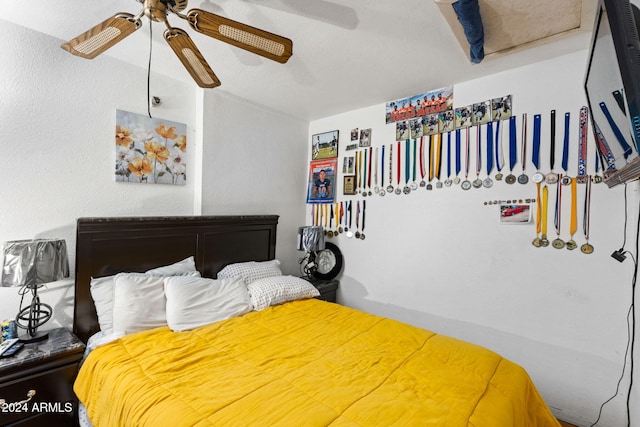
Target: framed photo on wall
[[349, 185], [325, 145], [322, 181]]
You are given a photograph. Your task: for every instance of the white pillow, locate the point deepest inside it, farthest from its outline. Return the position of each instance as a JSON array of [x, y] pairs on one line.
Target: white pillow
[[251, 271], [187, 264], [101, 289], [279, 289], [138, 302], [193, 301]]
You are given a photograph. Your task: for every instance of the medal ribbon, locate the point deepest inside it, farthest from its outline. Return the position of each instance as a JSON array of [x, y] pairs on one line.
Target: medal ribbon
[[478, 152], [545, 206], [574, 207], [582, 143], [431, 157], [489, 147], [364, 168], [448, 155], [375, 178], [499, 149], [330, 216], [438, 155], [615, 129], [364, 211], [466, 154], [382, 169], [558, 212], [314, 214], [458, 152], [422, 157], [350, 212], [358, 216], [604, 148], [357, 170], [535, 156], [524, 142], [407, 160], [565, 147], [398, 170], [415, 158], [391, 164], [538, 208], [513, 150], [587, 211], [552, 149]]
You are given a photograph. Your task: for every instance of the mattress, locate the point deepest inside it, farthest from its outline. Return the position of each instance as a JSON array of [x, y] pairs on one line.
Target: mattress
[[305, 363]]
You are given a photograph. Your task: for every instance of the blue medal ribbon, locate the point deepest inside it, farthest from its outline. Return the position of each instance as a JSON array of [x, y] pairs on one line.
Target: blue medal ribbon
[[458, 153], [535, 157], [616, 131], [448, 154], [489, 147], [513, 143], [565, 147], [407, 159]]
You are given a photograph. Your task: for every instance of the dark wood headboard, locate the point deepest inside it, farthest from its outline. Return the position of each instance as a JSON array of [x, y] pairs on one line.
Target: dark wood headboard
[[107, 246]]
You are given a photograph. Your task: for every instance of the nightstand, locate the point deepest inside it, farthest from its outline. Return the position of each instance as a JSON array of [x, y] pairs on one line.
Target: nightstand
[[49, 368], [327, 288]]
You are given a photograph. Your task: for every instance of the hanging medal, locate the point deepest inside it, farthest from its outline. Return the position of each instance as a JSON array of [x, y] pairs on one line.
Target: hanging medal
[[487, 181], [604, 149], [582, 146], [499, 150], [364, 211], [477, 183], [537, 242], [329, 231], [364, 174], [587, 248], [407, 166], [616, 130], [349, 218], [456, 179], [573, 227], [376, 188], [535, 155], [558, 243], [414, 184], [552, 177], [545, 206], [466, 184], [448, 181], [566, 179], [438, 160], [390, 186], [596, 178], [513, 150], [422, 170], [523, 178], [382, 192], [398, 163], [358, 220], [341, 213]]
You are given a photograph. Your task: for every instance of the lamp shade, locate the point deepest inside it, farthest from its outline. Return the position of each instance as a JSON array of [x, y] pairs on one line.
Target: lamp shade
[[310, 238], [34, 262]]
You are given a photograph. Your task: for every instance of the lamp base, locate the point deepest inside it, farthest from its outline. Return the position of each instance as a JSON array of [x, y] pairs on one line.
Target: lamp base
[[39, 336]]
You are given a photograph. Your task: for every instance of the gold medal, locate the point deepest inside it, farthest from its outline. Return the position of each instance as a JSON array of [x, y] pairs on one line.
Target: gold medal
[[498, 177], [510, 179], [558, 243], [586, 249], [571, 245], [537, 242]]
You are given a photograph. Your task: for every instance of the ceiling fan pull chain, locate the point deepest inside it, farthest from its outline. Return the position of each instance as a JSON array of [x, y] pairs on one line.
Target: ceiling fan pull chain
[[149, 70]]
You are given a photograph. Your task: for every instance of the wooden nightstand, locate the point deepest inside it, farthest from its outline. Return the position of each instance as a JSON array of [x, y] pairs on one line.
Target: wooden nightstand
[[49, 368], [327, 288]]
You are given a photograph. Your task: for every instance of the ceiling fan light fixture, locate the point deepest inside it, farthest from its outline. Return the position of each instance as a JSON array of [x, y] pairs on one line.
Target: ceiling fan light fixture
[[101, 37]]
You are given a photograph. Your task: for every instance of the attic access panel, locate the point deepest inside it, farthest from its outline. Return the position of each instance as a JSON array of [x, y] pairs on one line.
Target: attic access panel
[[511, 25]]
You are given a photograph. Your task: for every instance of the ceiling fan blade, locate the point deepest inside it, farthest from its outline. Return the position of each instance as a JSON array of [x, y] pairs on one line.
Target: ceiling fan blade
[[101, 37], [191, 58], [249, 38]]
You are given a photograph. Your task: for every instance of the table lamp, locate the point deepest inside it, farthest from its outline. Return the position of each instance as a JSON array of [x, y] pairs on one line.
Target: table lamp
[[310, 240], [29, 264]]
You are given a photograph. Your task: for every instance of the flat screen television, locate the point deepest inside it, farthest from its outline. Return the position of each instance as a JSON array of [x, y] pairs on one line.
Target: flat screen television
[[612, 86]]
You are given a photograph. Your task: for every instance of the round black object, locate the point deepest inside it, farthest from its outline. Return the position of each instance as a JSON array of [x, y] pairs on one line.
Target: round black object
[[329, 262]]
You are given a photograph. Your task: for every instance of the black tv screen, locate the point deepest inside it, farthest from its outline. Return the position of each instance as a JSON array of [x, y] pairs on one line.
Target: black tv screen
[[612, 85]]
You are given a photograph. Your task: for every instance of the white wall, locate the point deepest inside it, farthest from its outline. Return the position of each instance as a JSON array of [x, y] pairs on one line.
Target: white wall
[[251, 167], [442, 261]]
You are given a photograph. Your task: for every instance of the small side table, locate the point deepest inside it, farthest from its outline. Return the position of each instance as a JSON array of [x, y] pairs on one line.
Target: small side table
[[49, 369], [327, 288]]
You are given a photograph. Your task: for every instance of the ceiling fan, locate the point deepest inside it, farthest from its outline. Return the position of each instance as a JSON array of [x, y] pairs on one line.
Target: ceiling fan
[[106, 34]]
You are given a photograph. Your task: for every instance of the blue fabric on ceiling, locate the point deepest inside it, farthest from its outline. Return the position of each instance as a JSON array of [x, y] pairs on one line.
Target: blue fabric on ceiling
[[468, 12]]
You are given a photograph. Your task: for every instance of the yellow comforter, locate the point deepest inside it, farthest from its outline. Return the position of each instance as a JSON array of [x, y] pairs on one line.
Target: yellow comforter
[[305, 363]]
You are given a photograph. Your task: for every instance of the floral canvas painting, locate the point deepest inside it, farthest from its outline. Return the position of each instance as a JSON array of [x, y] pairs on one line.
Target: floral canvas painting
[[150, 150]]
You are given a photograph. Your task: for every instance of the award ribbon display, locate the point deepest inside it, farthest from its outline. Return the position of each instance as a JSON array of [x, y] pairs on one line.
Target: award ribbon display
[[582, 146]]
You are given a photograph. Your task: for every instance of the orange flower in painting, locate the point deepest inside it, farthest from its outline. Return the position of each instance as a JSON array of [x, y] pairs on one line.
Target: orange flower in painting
[[141, 166], [181, 143], [166, 132], [123, 136], [157, 151]]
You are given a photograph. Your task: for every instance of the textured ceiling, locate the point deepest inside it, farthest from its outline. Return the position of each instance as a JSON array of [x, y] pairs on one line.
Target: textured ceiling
[[347, 54]]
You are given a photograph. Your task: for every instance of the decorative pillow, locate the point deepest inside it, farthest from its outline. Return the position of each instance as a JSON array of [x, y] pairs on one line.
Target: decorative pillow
[[101, 289], [251, 271], [279, 289], [193, 301], [187, 264]]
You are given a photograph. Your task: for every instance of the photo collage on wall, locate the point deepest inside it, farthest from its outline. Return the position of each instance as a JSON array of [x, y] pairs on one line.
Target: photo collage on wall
[[321, 184]]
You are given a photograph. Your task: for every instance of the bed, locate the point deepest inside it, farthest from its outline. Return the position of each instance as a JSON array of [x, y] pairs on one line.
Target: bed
[[300, 362]]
